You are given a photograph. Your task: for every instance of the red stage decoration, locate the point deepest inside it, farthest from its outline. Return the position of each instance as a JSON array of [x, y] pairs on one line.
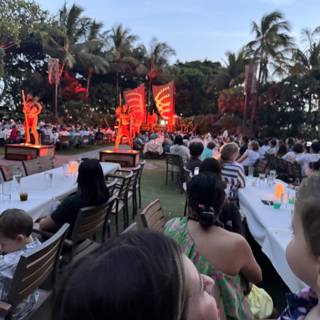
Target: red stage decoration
[[164, 99], [135, 99]]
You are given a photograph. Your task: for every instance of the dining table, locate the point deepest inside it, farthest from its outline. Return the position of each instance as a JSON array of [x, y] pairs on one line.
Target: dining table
[[44, 190], [269, 225]]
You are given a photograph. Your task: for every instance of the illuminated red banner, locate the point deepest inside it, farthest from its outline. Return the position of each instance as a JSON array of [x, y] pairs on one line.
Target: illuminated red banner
[[135, 99], [164, 99]]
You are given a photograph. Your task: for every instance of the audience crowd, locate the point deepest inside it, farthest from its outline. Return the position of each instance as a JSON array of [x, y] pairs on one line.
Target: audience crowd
[[59, 135], [201, 267]]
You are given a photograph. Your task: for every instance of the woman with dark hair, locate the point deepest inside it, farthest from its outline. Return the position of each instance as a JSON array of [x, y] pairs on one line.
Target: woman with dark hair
[[210, 165], [92, 191], [282, 151], [139, 276], [180, 149], [291, 156], [216, 252]]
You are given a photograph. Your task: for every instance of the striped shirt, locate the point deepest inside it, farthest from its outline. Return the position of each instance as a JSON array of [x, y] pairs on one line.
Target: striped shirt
[[233, 174]]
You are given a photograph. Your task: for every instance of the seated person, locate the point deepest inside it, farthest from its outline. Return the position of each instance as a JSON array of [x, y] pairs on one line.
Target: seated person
[[232, 172], [15, 240], [92, 191], [216, 252], [138, 276], [208, 151], [250, 157], [180, 149], [210, 166], [303, 252], [196, 148]]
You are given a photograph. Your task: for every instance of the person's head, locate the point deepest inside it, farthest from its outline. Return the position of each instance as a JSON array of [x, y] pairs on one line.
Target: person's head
[[315, 147], [313, 168], [254, 145], [303, 252], [178, 140], [229, 152], [210, 166], [15, 229], [206, 197], [91, 183], [244, 140], [211, 145], [297, 148], [273, 143], [282, 150], [140, 275], [196, 148]]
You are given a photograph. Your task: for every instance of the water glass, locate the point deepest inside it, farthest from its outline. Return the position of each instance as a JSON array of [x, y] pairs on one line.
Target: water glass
[[273, 175], [262, 177], [250, 171], [6, 191], [292, 197]]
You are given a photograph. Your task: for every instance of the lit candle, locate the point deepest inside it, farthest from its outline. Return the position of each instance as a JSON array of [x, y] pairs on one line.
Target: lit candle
[[278, 190]]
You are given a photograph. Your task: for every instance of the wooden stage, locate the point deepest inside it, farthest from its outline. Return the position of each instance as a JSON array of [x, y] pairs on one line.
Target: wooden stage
[[24, 151]]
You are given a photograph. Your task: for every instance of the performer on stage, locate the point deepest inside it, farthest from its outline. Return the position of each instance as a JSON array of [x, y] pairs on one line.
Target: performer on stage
[[31, 110], [124, 125]]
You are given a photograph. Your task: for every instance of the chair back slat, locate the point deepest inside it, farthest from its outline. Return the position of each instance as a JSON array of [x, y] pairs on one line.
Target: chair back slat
[[32, 166], [124, 183], [153, 217], [9, 170], [35, 267], [46, 163], [89, 222]]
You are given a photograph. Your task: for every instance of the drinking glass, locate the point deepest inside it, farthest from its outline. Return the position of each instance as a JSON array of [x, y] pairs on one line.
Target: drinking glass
[[250, 171], [6, 191], [262, 177], [48, 179], [292, 197], [273, 175]]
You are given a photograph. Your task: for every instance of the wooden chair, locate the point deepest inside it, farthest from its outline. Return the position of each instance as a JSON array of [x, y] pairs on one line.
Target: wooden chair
[[142, 163], [132, 193], [133, 227], [153, 217], [187, 177], [121, 191], [46, 163], [65, 141], [32, 166], [295, 172], [8, 171], [174, 165], [32, 271], [91, 223]]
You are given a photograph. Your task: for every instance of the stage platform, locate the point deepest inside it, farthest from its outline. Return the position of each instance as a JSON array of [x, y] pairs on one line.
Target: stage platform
[[23, 151], [126, 158]]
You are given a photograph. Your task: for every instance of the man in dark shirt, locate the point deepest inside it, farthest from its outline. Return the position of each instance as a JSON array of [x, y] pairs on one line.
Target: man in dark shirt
[[196, 148]]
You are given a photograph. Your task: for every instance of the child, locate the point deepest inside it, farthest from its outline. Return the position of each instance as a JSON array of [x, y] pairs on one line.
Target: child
[[15, 240], [303, 252]]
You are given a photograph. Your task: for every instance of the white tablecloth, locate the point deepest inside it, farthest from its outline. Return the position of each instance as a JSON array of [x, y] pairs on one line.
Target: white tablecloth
[[43, 198], [271, 228]]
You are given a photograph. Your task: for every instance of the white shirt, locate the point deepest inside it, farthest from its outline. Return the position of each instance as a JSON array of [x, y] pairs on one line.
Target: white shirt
[[263, 150], [252, 157], [291, 156], [305, 158]]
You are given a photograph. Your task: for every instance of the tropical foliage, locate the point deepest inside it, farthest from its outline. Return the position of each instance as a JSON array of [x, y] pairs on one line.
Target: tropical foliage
[[97, 63]]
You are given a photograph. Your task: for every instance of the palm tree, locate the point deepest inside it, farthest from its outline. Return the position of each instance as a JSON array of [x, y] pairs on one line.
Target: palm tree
[[121, 42], [307, 62], [271, 46], [75, 40], [232, 73]]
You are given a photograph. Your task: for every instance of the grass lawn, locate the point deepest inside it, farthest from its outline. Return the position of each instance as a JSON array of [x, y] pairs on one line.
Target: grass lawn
[[82, 149]]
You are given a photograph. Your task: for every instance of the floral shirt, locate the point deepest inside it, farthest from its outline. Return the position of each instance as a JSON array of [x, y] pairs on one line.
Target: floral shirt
[[299, 305], [235, 304], [8, 265]]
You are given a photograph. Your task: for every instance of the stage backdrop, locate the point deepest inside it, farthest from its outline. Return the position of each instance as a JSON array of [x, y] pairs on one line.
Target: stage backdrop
[[164, 99], [135, 99]]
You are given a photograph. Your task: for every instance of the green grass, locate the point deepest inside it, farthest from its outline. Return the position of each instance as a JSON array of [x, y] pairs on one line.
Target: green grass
[[82, 149], [154, 187]]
